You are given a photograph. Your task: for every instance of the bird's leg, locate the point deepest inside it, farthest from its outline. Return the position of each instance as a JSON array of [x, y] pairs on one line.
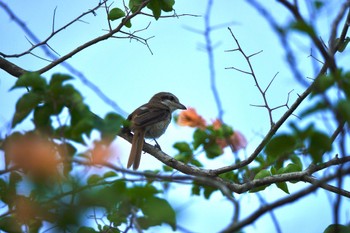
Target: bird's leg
[[157, 145]]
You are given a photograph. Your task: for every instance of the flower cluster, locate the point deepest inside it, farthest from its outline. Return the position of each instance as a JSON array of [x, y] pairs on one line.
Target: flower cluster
[[191, 118]]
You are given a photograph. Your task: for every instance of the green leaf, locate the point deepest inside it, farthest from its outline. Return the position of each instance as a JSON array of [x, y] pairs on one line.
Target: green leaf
[[337, 228], [109, 174], [318, 4], [42, 116], [151, 208], [167, 5], [127, 23], [24, 106], [87, 230], [343, 44], [322, 84], [84, 126], [208, 191], [31, 79], [154, 5], [94, 179], [212, 150], [144, 191], [343, 108], [303, 27], [196, 190], [199, 138], [283, 186], [320, 105], [110, 126], [9, 224], [280, 145], [58, 79], [291, 167], [182, 147], [319, 144], [262, 174], [297, 161], [116, 13], [15, 178], [134, 5]]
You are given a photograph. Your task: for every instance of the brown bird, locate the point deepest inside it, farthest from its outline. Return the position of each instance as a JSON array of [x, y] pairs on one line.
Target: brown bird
[[150, 121]]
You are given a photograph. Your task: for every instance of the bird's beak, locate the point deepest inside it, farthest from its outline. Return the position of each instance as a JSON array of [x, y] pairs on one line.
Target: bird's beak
[[180, 106]]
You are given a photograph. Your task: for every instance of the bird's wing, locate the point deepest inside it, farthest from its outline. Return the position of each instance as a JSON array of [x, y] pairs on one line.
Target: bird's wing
[[145, 116]]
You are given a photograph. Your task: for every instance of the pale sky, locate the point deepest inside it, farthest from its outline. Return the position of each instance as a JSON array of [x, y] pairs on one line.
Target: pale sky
[[129, 74]]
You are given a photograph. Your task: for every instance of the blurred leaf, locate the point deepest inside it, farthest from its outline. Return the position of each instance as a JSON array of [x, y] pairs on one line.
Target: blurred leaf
[[318, 4], [303, 27], [343, 107], [231, 176], [322, 84], [182, 147], [84, 126], [208, 190], [42, 116], [297, 161], [320, 105], [3, 189], [212, 150], [31, 79], [134, 5], [199, 138], [86, 230], [280, 145], [291, 167], [15, 178], [94, 179], [58, 79], [110, 126], [319, 144], [9, 224], [167, 5], [24, 106], [261, 174], [109, 174], [152, 208], [154, 6], [116, 13], [343, 44], [283, 186], [337, 228], [196, 190], [127, 23], [146, 191]]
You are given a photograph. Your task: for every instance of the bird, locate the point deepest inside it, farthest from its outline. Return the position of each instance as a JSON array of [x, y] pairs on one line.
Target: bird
[[150, 121]]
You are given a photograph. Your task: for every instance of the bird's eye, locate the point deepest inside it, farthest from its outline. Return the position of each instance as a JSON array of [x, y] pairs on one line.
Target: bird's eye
[[168, 97]]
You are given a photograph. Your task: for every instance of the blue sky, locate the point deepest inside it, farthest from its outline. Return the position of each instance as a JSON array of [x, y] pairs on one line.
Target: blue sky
[[129, 74]]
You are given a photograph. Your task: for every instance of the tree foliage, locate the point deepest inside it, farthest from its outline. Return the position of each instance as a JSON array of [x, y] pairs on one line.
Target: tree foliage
[[43, 182]]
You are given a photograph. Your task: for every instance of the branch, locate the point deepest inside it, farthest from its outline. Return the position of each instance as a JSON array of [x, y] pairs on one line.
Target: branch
[[328, 57], [32, 36], [291, 198], [207, 176]]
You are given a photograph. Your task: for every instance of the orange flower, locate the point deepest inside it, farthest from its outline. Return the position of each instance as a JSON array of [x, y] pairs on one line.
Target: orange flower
[[191, 118], [100, 153], [217, 124], [34, 155]]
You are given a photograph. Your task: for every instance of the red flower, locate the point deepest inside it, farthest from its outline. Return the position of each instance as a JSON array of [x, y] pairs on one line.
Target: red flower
[[236, 140]]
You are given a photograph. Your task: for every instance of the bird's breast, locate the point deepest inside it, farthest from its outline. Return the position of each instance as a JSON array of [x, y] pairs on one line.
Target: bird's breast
[[157, 129]]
